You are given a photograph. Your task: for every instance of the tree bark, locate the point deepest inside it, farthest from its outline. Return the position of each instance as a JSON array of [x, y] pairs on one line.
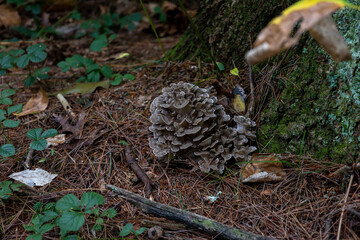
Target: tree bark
[[306, 104]]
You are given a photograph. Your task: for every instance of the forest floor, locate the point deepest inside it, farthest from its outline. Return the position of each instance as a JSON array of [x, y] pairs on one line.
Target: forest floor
[[307, 204]]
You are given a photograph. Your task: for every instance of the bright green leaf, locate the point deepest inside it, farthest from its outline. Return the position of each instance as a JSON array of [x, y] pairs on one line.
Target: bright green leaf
[[67, 203], [71, 221], [90, 199], [117, 80], [220, 66]]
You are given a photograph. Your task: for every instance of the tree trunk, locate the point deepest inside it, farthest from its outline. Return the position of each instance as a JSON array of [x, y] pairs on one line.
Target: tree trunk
[[309, 103]]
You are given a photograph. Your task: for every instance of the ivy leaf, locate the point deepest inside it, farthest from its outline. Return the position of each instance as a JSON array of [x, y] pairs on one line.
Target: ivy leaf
[[34, 133], [39, 47], [117, 80], [7, 150], [49, 215], [64, 66], [67, 203], [29, 81], [16, 52], [90, 199], [71, 221], [93, 76]]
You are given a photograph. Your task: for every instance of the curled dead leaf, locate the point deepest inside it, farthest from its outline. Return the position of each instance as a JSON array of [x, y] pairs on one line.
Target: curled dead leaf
[[308, 14], [263, 169], [37, 103]]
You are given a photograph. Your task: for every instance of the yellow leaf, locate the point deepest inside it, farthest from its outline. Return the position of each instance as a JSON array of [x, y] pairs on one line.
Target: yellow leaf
[[238, 103], [234, 71], [122, 55], [309, 15], [84, 88]]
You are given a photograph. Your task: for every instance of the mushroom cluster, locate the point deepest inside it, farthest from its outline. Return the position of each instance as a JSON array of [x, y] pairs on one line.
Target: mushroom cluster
[[188, 123]]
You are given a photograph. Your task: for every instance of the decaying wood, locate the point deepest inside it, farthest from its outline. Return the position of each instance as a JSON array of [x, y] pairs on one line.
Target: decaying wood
[[138, 170], [193, 220]]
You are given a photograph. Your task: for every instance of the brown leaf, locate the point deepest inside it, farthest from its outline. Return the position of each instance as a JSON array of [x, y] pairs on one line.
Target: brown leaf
[[37, 103], [277, 35], [9, 17], [263, 169]]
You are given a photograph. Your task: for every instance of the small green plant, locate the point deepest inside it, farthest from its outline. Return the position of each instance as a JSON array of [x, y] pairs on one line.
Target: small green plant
[[129, 229], [39, 139], [7, 188], [69, 214], [8, 150], [92, 69], [158, 11], [119, 78], [18, 57], [101, 42]]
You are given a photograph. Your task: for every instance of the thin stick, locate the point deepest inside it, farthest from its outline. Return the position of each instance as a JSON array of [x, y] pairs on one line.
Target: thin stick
[[343, 207], [138, 170], [252, 102]]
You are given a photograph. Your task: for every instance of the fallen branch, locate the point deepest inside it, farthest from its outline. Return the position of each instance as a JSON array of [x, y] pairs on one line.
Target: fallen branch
[[138, 170], [193, 220]]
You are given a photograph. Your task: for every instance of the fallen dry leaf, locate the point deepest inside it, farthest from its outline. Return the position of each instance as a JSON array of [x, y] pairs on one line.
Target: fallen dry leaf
[[9, 17], [37, 177], [310, 15], [37, 103], [263, 169], [56, 140], [84, 88]]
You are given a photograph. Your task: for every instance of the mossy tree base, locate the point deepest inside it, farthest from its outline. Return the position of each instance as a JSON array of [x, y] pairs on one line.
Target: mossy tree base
[[319, 108]]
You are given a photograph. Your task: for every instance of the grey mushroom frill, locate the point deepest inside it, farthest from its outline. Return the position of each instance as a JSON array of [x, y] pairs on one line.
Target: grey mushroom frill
[[189, 123]]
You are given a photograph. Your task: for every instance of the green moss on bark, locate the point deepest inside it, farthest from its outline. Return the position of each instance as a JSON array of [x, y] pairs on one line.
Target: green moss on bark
[[322, 100]]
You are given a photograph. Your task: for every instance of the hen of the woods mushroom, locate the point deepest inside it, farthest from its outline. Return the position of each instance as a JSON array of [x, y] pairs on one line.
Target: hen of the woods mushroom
[[189, 123]]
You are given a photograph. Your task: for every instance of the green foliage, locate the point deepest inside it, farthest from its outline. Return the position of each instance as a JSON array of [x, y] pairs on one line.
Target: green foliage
[[119, 78], [101, 42], [39, 142], [18, 58], [162, 16], [129, 229], [7, 188], [69, 214], [92, 69]]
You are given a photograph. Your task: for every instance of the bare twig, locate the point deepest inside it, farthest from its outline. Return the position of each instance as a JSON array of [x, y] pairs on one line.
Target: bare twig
[[344, 205], [138, 170], [28, 158]]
